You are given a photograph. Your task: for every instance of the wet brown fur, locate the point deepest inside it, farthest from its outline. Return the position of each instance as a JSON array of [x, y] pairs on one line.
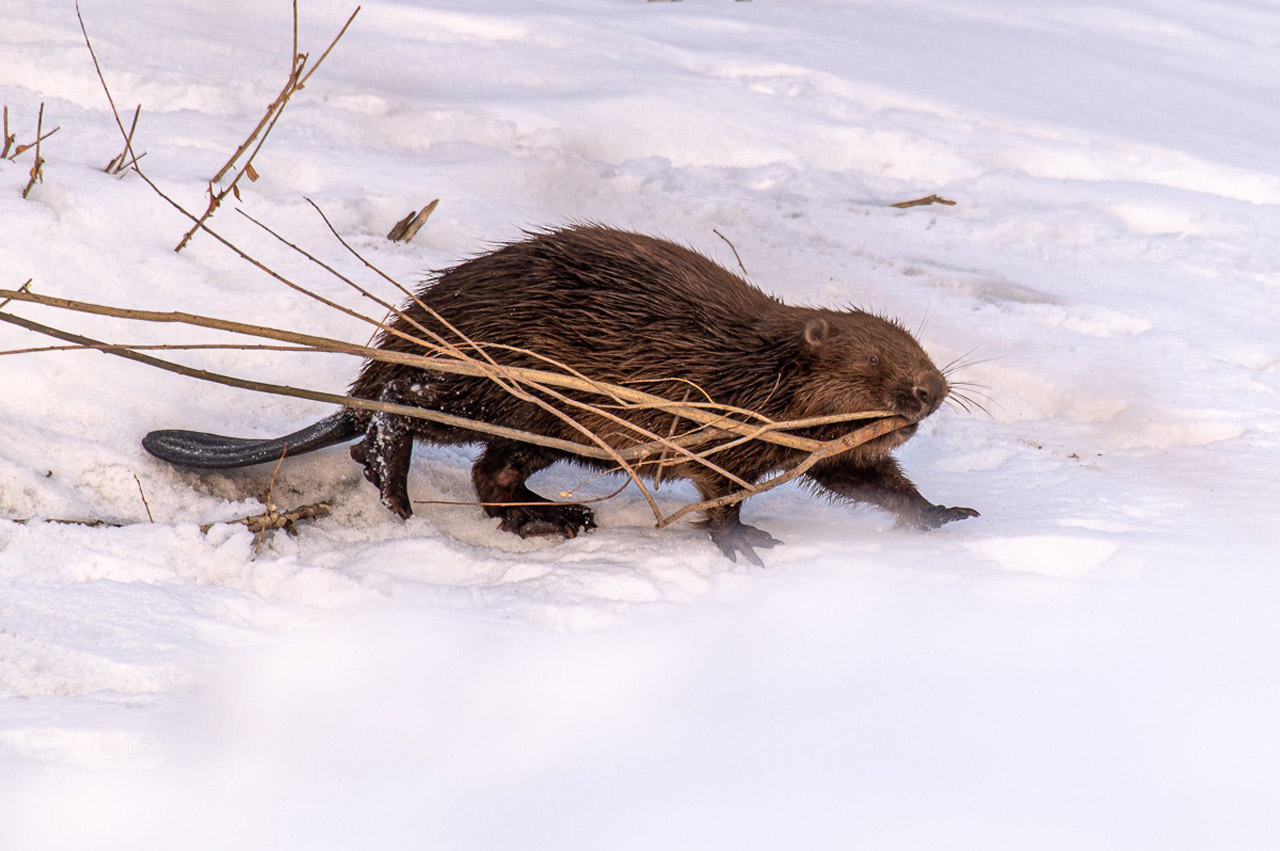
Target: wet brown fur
[[639, 311]]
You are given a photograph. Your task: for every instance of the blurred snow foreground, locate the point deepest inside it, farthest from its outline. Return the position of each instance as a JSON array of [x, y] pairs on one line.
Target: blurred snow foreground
[[1091, 664]]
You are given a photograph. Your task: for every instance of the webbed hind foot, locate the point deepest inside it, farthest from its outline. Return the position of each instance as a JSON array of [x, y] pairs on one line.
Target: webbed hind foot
[[934, 516], [736, 537]]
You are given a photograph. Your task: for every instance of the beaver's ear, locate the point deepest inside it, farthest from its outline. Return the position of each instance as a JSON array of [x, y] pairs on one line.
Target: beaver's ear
[[816, 332]]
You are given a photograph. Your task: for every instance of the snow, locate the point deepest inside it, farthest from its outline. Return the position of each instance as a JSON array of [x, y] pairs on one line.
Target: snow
[[1089, 664]]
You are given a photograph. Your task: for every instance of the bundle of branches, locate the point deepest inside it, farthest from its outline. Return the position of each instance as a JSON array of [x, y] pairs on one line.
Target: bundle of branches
[[570, 396], [713, 427]]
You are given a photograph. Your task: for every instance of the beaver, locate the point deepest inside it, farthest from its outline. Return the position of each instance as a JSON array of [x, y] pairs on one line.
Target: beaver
[[631, 310]]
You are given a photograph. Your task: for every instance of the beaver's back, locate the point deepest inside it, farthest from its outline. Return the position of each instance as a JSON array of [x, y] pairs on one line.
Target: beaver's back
[[616, 306]]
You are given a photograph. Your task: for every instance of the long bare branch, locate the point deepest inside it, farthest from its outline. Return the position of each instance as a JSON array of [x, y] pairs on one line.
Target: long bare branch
[[319, 396], [771, 432]]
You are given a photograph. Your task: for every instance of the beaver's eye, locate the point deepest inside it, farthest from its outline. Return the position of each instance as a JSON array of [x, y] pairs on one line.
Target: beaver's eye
[[873, 359]]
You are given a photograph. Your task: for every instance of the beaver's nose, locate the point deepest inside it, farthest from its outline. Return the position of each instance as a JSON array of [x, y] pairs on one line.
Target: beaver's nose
[[929, 390]]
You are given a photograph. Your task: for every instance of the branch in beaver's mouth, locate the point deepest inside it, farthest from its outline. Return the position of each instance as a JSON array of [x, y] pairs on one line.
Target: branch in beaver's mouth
[[893, 439]]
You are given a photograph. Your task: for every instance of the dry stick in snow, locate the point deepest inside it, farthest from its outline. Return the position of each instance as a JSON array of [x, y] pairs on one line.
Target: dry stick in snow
[[294, 84], [269, 505], [63, 521], [7, 140], [567, 494], [125, 158], [37, 168], [274, 518], [663, 460], [128, 144], [408, 227], [923, 202], [143, 494]]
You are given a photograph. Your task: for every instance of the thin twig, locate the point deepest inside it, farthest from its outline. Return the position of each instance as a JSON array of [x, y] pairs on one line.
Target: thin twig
[[22, 149], [303, 82], [294, 84], [22, 289], [365, 293], [143, 494], [734, 250], [128, 145], [109, 524], [125, 159], [7, 139], [167, 347], [922, 202], [274, 518], [296, 61], [271, 483], [663, 460], [37, 168]]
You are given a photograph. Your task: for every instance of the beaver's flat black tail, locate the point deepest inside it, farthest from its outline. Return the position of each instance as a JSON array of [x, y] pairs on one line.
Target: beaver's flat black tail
[[213, 451]]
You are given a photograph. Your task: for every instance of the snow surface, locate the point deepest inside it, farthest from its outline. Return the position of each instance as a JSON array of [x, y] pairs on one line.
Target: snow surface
[[1092, 664]]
